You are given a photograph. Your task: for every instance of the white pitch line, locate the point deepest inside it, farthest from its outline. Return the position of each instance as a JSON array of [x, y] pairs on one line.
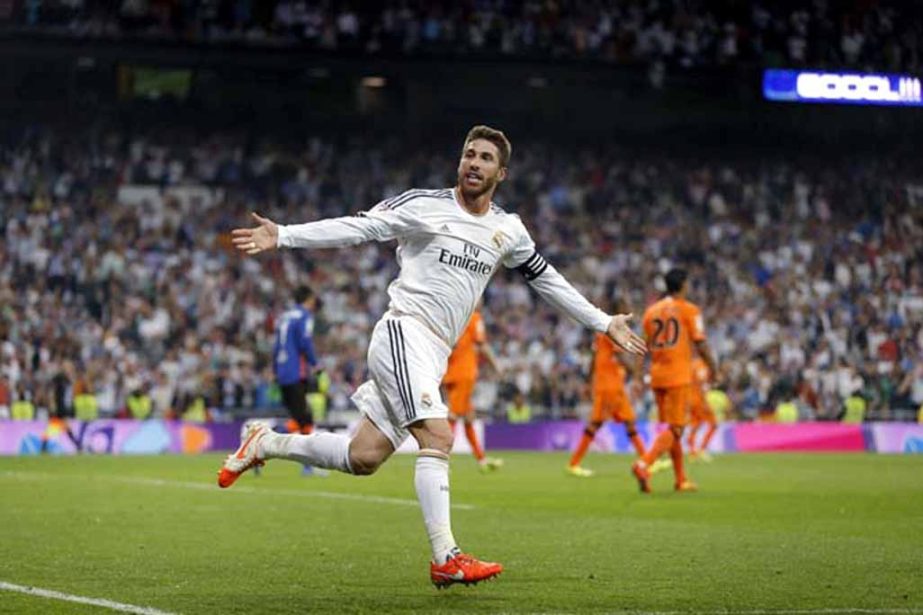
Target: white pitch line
[[333, 495], [102, 602], [158, 482]]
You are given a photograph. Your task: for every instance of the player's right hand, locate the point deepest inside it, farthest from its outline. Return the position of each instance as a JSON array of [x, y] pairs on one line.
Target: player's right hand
[[258, 238]]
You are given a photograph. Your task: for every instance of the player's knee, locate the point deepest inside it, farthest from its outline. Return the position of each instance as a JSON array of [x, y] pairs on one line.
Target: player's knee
[[364, 463]]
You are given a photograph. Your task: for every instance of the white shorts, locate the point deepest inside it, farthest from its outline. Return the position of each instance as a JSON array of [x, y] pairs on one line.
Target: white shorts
[[407, 362]]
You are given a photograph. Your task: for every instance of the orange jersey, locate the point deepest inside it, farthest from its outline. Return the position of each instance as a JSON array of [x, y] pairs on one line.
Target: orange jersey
[[463, 362], [608, 373], [671, 326]]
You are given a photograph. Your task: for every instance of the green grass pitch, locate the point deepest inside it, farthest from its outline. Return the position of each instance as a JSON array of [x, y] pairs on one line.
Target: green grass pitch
[[766, 533]]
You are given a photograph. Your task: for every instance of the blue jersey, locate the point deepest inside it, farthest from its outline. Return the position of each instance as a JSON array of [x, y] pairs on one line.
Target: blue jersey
[[294, 330]]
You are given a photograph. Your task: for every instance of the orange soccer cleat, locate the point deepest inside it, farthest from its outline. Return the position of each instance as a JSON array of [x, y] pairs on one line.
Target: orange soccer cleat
[[245, 457], [639, 469], [462, 569]]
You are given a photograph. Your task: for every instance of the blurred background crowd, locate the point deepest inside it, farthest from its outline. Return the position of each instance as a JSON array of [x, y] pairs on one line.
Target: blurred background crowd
[[830, 33], [117, 278]]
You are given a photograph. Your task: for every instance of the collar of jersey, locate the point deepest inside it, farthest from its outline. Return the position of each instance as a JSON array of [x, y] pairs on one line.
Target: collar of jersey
[[465, 209]]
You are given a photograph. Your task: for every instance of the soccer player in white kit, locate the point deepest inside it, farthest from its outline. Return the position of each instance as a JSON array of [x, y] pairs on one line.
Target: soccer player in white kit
[[450, 243]]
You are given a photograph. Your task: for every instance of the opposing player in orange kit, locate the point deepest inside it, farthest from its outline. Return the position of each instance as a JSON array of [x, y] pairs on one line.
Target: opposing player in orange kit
[[610, 399], [460, 377], [672, 326]]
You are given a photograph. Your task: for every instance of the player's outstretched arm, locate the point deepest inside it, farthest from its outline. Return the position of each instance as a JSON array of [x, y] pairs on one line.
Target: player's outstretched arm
[[557, 291], [264, 236], [383, 222]]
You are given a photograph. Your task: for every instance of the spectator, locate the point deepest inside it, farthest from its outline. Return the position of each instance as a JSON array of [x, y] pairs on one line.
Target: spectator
[[518, 411]]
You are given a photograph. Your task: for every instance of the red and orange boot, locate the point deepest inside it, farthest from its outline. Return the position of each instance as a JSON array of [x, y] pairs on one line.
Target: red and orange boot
[[643, 475], [245, 457], [462, 569]]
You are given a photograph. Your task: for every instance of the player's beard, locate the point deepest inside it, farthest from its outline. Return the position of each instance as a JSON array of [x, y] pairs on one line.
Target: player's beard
[[487, 185]]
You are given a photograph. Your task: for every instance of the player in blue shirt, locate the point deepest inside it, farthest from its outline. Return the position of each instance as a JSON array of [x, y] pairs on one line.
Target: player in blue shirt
[[292, 355]]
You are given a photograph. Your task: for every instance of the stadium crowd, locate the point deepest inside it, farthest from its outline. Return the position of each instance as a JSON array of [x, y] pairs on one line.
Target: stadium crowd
[[810, 277], [882, 35]]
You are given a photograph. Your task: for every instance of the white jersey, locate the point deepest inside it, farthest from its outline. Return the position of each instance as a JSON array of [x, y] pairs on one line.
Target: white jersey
[[446, 256]]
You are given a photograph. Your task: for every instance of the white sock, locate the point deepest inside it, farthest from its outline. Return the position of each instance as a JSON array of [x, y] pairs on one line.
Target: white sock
[[322, 450], [431, 480]]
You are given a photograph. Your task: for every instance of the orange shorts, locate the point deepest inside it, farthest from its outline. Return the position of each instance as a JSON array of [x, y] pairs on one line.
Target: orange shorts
[[458, 397], [611, 404], [673, 405], [699, 409]]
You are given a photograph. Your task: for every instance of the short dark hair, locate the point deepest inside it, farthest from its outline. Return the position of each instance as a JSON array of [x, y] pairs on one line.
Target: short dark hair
[[494, 136], [302, 294], [675, 279]]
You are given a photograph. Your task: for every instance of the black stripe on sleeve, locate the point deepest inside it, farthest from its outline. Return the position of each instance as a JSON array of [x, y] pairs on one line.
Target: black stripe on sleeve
[[534, 266], [533, 260]]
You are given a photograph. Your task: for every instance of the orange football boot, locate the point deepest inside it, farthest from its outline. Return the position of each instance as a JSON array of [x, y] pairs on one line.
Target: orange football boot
[[462, 569], [687, 486], [639, 469], [245, 457]]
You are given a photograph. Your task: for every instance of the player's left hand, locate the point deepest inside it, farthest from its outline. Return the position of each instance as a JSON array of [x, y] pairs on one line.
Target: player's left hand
[[620, 332]]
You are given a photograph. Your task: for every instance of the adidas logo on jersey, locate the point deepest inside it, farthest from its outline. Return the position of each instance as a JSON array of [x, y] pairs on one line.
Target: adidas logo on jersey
[[444, 228]]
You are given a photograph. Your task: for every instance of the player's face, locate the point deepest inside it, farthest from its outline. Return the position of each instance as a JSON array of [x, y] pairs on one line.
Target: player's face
[[479, 169]]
